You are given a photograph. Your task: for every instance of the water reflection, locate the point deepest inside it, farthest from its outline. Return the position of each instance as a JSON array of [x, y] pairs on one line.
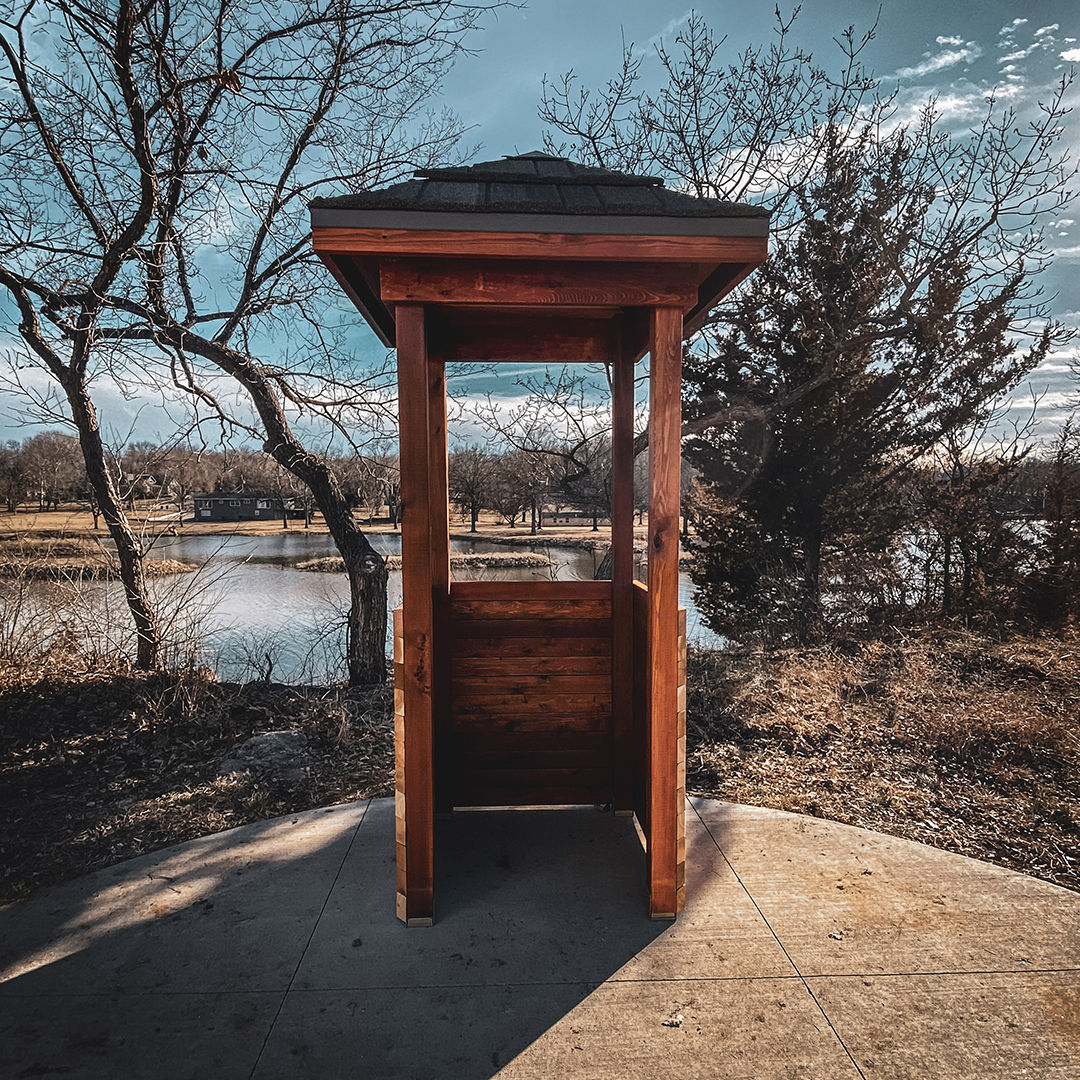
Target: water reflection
[[257, 610]]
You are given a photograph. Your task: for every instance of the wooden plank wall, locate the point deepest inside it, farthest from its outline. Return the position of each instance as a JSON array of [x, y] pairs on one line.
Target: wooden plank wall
[[531, 677]]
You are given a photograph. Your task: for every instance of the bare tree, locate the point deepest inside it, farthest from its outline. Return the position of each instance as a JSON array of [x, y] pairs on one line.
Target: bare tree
[[160, 158]]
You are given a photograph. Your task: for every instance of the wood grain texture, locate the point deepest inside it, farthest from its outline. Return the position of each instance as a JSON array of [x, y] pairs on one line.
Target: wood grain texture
[[535, 703], [535, 610], [512, 683], [549, 645], [499, 722], [558, 246], [622, 576], [665, 425], [526, 338], [531, 628], [418, 628], [539, 282], [531, 590], [507, 664]]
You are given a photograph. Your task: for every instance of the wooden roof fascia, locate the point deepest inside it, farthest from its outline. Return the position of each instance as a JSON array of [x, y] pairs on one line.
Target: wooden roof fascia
[[584, 247]]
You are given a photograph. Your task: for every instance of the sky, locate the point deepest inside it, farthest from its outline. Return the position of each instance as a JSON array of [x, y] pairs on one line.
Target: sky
[[956, 52]]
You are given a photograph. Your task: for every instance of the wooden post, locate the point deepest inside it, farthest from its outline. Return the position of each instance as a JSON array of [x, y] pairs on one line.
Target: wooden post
[[665, 423], [415, 847], [622, 579], [439, 530]]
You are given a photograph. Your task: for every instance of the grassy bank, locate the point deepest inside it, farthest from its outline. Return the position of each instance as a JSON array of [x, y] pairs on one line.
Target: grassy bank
[[962, 742], [945, 737]]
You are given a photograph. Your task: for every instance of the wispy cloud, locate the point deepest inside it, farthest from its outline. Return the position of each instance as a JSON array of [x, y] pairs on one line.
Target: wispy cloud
[[1044, 30], [950, 41], [949, 58]]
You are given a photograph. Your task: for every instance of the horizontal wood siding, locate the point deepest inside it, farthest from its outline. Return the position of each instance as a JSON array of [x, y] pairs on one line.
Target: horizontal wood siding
[[530, 670]]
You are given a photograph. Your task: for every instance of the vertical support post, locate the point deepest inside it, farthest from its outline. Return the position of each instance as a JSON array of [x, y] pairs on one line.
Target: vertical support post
[[622, 580], [415, 848], [665, 431], [439, 528]]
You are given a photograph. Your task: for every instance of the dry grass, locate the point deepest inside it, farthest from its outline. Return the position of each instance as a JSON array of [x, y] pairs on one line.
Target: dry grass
[[98, 766], [943, 737], [957, 741]]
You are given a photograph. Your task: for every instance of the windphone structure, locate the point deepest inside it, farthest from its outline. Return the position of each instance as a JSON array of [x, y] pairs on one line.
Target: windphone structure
[[538, 693]]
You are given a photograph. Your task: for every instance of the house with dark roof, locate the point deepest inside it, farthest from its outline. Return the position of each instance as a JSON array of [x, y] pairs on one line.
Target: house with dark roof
[[243, 506]]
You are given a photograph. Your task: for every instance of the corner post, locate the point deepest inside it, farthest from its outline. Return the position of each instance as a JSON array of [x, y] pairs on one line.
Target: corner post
[[622, 578], [415, 803], [665, 444]]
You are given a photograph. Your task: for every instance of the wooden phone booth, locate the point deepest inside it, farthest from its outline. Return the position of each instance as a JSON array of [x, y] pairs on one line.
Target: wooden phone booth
[[529, 693]]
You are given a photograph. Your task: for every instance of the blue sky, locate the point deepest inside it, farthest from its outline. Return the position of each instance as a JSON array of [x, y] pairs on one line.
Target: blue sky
[[957, 52]]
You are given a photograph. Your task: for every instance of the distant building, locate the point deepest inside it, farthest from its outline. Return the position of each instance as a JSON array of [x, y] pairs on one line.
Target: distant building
[[572, 516], [243, 506]]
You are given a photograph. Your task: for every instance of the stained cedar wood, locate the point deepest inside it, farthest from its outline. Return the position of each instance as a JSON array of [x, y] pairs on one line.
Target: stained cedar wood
[[536, 703], [622, 574], [548, 646], [545, 721], [529, 339], [559, 246], [665, 421], [495, 665], [640, 604], [553, 610], [531, 628], [511, 681], [439, 532], [417, 903], [539, 282], [530, 590]]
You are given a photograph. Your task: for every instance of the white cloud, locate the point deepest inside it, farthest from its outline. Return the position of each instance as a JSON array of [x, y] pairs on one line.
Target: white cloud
[[947, 59], [1072, 56], [1046, 29], [1008, 28], [1020, 54], [950, 41]]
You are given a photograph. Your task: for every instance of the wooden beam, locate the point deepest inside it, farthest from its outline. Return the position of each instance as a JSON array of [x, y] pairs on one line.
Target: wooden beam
[[415, 902], [665, 423], [536, 281], [622, 578], [529, 339], [559, 246]]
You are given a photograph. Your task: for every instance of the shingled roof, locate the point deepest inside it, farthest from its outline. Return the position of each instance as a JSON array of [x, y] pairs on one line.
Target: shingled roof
[[539, 185]]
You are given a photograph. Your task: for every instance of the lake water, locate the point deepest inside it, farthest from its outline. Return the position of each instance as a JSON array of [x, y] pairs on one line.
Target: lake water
[[255, 608]]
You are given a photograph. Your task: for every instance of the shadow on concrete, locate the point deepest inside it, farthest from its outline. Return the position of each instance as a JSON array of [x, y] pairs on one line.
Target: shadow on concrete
[[273, 950]]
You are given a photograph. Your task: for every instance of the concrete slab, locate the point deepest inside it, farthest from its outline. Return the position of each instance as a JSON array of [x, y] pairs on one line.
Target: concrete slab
[[273, 951], [134, 1036], [844, 900], [952, 1027]]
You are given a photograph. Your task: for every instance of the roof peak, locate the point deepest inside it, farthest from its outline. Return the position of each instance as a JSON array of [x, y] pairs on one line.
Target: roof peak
[[536, 167]]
